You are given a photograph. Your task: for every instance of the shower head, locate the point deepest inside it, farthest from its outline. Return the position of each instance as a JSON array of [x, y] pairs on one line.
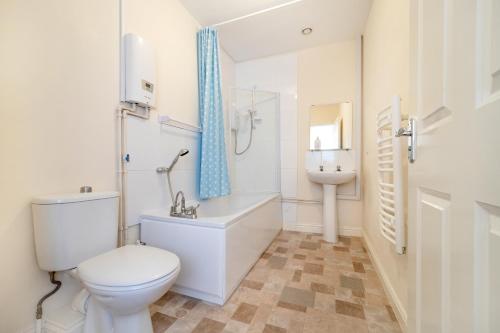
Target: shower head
[[182, 152]]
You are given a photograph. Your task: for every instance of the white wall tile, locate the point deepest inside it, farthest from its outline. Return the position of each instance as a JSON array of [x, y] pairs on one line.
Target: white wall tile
[[248, 172], [151, 145], [289, 213], [288, 154], [146, 190], [289, 183], [310, 214], [313, 160], [288, 100], [288, 124]]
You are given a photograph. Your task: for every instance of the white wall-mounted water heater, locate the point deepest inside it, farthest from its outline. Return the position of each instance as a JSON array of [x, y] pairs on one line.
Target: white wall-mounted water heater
[[139, 76]]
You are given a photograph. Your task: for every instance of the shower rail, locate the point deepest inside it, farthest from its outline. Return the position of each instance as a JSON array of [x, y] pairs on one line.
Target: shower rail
[[169, 121], [390, 175]]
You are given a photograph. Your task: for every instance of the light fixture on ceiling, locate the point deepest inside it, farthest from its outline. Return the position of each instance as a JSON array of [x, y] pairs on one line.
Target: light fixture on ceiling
[[307, 31]]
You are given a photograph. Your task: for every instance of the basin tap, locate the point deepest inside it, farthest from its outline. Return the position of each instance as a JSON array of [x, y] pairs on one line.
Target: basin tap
[[339, 168]]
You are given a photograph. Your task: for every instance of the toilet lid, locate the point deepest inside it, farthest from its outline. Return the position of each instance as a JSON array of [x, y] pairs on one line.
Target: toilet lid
[[129, 265]]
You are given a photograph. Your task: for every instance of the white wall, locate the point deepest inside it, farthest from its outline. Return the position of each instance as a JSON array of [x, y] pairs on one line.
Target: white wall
[[321, 75], [277, 74], [228, 69], [257, 169], [151, 145], [59, 91], [326, 75], [59, 88], [172, 31], [386, 73]]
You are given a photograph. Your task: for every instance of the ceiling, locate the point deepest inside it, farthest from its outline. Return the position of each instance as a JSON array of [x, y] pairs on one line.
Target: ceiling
[[279, 30]]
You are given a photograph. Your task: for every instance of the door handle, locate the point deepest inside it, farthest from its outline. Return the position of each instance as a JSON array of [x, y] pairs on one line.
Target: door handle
[[411, 133]]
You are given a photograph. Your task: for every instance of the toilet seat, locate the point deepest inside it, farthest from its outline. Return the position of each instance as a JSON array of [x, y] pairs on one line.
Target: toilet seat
[[129, 267], [121, 289]]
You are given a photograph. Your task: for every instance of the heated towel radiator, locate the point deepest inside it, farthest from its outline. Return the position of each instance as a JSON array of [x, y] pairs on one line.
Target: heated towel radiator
[[390, 177]]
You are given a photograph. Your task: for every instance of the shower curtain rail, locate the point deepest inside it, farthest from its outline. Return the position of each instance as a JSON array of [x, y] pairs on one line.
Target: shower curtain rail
[[169, 121], [263, 11]]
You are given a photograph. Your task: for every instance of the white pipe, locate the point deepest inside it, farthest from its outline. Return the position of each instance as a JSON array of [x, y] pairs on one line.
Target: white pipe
[[121, 175], [122, 52], [301, 201], [121, 217], [38, 326], [123, 113]]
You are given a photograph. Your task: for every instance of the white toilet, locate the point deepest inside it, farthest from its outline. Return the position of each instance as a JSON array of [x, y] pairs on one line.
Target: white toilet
[[80, 230]]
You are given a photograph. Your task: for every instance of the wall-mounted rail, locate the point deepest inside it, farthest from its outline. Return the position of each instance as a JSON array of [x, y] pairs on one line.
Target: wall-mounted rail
[[390, 177], [167, 120]]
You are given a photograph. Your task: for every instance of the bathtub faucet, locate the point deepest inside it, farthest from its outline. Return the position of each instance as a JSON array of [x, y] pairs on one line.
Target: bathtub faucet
[[176, 202], [185, 212]]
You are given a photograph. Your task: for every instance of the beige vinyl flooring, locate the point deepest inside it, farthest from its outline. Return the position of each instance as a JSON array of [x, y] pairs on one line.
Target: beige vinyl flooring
[[300, 284]]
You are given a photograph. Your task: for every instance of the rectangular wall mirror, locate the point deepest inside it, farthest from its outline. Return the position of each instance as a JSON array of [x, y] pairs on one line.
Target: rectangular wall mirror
[[330, 126]]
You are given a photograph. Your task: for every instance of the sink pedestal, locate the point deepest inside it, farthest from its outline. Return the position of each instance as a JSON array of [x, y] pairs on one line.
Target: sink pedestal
[[330, 228], [330, 180]]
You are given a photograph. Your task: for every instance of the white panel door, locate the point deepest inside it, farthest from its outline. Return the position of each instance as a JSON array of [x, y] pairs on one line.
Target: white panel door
[[454, 184]]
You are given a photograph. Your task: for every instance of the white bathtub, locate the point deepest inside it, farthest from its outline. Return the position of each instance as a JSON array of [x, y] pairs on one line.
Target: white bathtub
[[219, 247]]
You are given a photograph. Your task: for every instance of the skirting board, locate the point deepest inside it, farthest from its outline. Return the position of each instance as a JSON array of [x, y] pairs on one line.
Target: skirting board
[[318, 229], [389, 290]]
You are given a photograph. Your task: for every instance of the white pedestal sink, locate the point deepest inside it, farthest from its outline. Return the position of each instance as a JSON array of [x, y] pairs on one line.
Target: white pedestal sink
[[330, 179]]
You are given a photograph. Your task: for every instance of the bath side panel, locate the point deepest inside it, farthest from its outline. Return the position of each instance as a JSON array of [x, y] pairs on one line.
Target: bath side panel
[[200, 252], [247, 239]]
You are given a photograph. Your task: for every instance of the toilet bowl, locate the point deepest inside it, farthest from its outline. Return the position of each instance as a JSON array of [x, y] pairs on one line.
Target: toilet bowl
[[80, 230], [122, 284]]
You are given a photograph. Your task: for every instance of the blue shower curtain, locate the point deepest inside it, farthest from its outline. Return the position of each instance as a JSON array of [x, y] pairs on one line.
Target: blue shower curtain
[[213, 173]]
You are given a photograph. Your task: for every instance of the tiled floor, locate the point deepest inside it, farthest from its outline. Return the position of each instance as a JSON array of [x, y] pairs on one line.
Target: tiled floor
[[300, 284]]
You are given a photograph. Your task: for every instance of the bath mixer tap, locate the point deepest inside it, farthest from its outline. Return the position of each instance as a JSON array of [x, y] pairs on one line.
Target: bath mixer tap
[[176, 202], [185, 212]]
